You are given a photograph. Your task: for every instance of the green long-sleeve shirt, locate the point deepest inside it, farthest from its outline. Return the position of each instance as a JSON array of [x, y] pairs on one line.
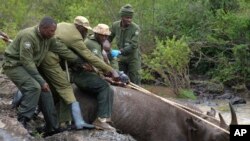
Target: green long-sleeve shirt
[[68, 34], [92, 44], [126, 38], [29, 49]]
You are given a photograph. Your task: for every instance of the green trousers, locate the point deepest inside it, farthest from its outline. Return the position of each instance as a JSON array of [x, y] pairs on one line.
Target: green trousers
[[32, 96], [60, 86], [92, 83], [57, 78], [132, 68]]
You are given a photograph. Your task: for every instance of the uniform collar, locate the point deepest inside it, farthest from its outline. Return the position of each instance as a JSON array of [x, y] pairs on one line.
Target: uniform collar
[[93, 38], [124, 28], [38, 32]]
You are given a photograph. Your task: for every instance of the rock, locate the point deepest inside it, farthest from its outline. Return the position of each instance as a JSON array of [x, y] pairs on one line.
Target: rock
[[208, 87], [225, 96], [90, 135], [237, 100]]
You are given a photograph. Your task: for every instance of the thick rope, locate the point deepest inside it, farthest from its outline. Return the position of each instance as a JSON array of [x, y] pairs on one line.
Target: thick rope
[[177, 105]]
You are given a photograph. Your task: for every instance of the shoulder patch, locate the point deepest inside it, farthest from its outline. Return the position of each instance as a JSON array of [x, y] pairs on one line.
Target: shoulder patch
[[95, 51], [137, 32], [27, 45]]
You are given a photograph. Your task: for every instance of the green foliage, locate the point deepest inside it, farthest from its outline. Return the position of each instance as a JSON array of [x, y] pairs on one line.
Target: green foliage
[[216, 31], [170, 60], [234, 72], [187, 94]]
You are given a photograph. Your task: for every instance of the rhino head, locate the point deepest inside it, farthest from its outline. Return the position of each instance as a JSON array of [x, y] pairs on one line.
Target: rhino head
[[200, 131]]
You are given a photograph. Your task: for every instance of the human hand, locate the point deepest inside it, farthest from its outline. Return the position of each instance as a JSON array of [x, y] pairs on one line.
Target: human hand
[[116, 83], [88, 67], [115, 53], [5, 37], [115, 75], [45, 87]]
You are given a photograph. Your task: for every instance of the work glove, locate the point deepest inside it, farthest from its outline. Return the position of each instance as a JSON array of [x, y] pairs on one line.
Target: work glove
[[115, 53], [123, 77]]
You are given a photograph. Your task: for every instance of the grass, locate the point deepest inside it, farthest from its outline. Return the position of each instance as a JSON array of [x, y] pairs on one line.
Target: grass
[[187, 94]]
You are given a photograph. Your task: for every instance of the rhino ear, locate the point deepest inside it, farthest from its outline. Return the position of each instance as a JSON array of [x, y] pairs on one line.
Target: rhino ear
[[212, 112], [222, 122], [191, 124]]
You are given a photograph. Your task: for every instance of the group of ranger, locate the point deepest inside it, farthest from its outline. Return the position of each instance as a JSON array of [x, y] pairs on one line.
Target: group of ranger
[[43, 61]]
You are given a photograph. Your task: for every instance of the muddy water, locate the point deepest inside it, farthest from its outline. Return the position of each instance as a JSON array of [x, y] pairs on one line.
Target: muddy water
[[242, 110]]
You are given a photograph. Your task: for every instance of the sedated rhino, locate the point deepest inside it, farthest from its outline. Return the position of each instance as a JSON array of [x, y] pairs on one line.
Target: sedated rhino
[[148, 118]]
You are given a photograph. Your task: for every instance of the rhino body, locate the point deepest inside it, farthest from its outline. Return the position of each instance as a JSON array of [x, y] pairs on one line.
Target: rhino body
[[147, 118]]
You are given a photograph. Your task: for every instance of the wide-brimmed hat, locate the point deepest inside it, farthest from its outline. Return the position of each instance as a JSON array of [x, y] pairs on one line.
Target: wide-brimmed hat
[[80, 20], [102, 29]]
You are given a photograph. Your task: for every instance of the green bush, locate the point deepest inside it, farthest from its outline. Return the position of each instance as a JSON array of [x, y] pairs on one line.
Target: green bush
[[170, 60], [187, 94]]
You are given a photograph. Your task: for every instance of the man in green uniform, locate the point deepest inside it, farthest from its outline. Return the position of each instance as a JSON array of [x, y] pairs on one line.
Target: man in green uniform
[[93, 83], [73, 36], [126, 33], [22, 57]]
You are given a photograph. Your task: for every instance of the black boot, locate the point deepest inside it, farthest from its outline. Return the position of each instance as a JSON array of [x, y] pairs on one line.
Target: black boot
[[23, 120], [45, 132]]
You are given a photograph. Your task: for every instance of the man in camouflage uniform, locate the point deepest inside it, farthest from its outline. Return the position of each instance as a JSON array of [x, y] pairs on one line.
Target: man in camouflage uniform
[[93, 83], [126, 33], [72, 35], [22, 57]]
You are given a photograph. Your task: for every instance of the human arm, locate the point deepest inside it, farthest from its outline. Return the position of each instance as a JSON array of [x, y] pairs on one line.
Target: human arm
[[80, 48], [131, 43], [5, 37], [27, 58], [63, 51]]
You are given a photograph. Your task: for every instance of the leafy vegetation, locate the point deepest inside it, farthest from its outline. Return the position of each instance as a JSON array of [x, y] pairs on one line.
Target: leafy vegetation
[[170, 60], [217, 33]]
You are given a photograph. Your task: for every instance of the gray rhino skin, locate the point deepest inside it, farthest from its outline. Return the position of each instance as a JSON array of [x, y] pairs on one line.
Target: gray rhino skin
[[147, 118]]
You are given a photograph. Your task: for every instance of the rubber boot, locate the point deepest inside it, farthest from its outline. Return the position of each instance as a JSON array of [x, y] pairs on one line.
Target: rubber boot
[[77, 117], [16, 99]]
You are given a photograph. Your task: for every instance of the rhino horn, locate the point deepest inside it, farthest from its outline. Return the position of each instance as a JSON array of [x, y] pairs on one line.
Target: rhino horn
[[234, 120], [222, 122]]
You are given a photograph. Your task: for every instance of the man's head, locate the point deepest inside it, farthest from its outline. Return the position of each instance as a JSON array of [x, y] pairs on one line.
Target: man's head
[[126, 13], [82, 24], [47, 27], [106, 45], [101, 32]]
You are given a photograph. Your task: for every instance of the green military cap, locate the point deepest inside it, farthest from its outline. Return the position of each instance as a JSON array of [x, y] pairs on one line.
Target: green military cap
[[126, 10]]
